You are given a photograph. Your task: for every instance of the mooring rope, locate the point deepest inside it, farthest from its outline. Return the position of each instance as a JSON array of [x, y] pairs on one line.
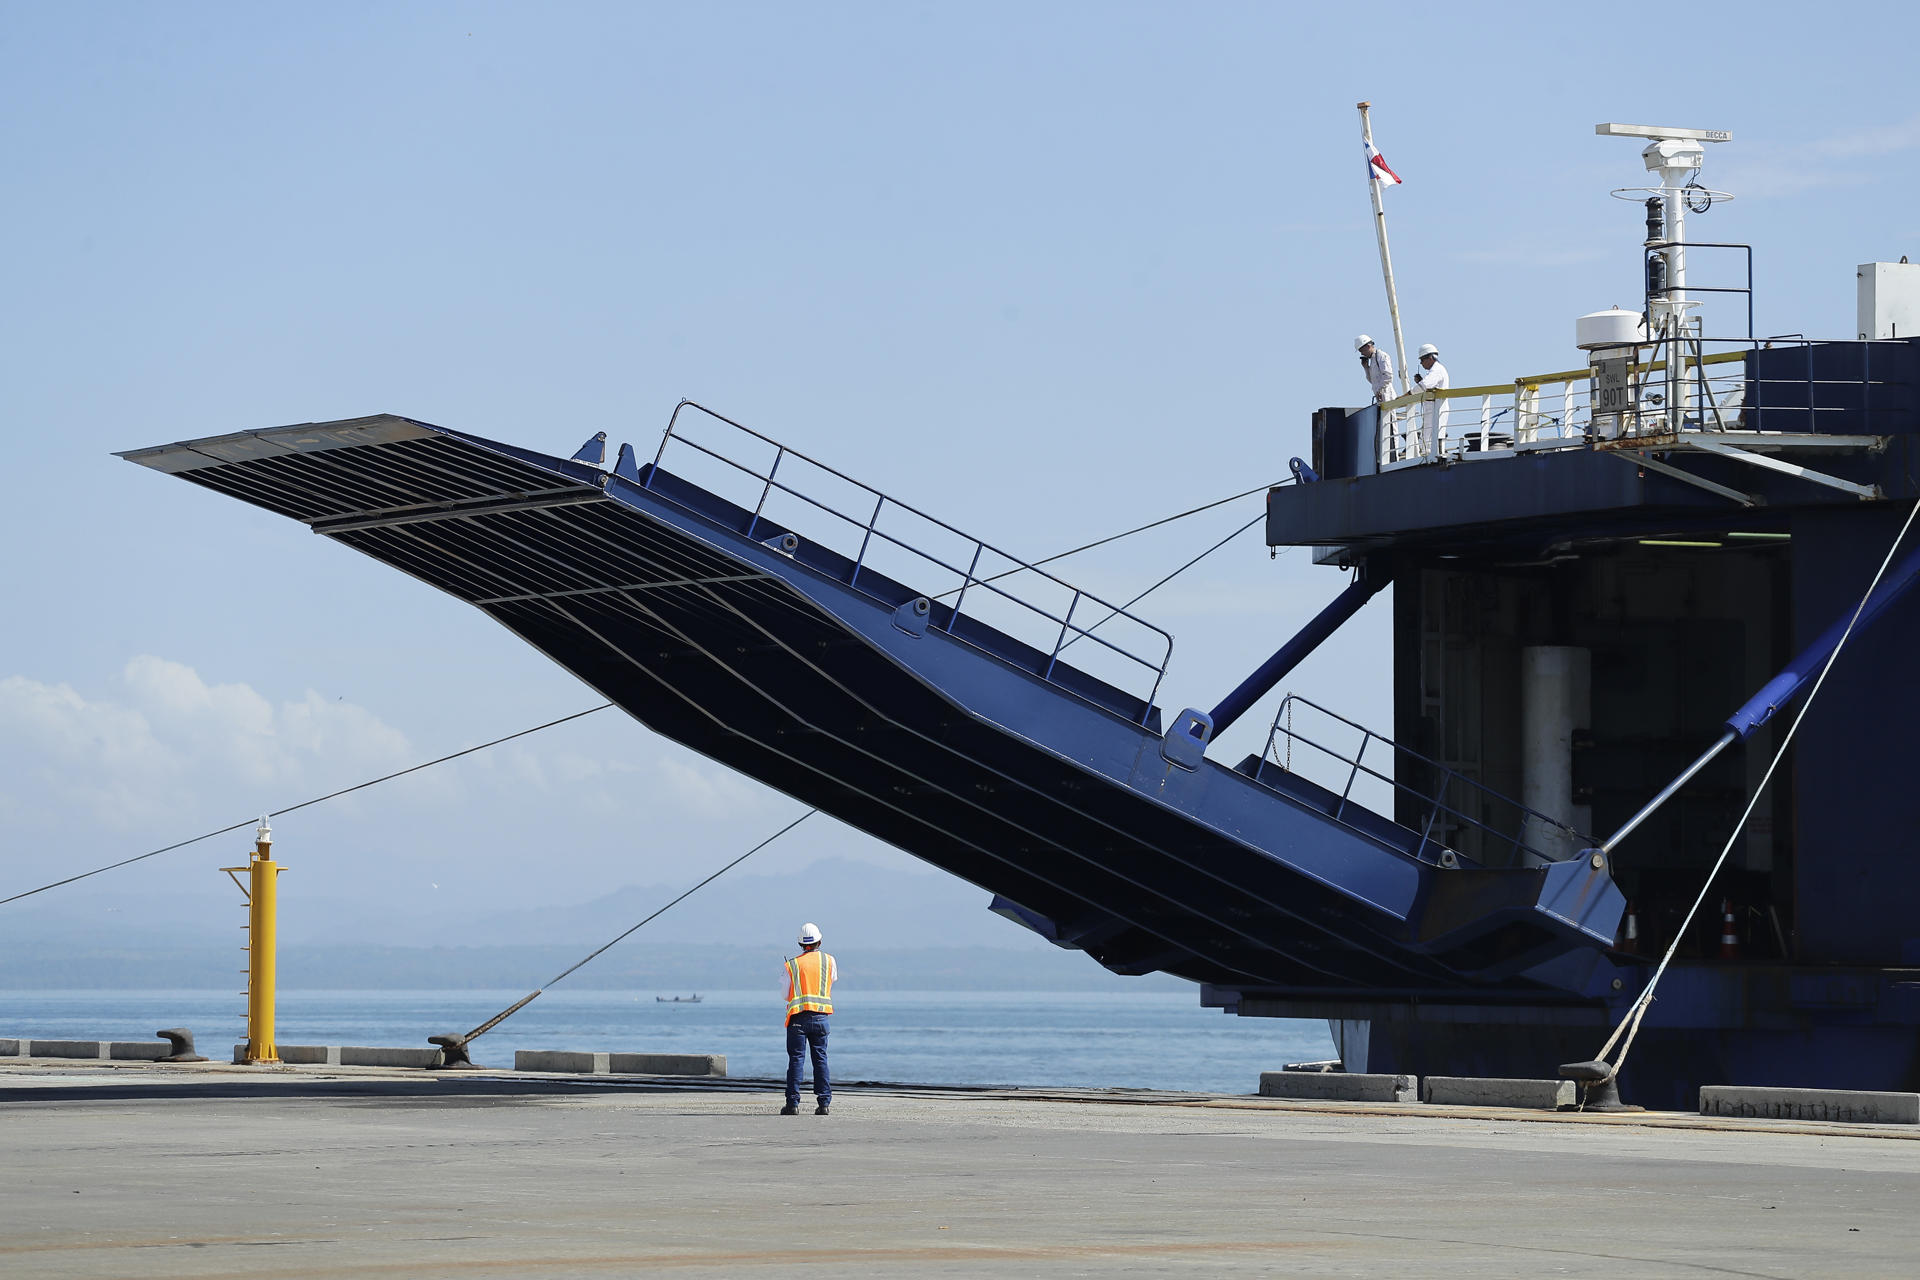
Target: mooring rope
[[331, 795], [361, 786], [1164, 581], [1630, 1021], [529, 998], [455, 1046], [1218, 502], [459, 1043]]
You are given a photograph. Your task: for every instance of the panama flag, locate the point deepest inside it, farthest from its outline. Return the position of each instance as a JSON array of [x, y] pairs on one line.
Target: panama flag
[[1377, 167]]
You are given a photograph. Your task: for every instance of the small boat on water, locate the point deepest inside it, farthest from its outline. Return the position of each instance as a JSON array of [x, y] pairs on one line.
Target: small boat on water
[[692, 999]]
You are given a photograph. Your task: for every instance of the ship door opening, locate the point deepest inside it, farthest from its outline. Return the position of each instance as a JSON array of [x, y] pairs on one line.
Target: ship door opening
[[1579, 686]]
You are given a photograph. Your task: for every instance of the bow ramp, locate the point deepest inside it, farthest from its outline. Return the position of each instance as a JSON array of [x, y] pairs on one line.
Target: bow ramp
[[779, 617]]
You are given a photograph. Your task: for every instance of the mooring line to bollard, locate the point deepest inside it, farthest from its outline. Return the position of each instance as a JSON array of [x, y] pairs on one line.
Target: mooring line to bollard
[[455, 1047], [1630, 1022], [331, 795]]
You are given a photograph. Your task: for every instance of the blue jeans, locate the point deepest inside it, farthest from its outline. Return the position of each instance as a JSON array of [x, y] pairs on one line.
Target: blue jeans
[[808, 1031]]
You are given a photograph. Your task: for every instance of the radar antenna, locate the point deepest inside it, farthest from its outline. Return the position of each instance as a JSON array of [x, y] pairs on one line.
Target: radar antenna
[[1676, 155]]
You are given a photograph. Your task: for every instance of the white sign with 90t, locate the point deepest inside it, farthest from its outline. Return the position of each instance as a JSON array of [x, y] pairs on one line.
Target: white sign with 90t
[[1612, 385]]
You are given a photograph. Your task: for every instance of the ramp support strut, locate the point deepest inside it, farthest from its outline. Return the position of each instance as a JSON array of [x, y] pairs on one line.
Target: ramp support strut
[[1370, 580]]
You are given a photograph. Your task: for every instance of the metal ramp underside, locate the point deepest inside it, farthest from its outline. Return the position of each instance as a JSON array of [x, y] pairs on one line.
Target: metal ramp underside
[[910, 719]]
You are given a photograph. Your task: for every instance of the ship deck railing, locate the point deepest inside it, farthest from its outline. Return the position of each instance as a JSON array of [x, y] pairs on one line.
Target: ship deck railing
[[1303, 759], [883, 543], [1723, 397]]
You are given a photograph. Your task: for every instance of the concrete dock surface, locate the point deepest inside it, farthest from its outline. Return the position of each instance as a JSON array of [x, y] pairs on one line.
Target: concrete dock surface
[[217, 1171]]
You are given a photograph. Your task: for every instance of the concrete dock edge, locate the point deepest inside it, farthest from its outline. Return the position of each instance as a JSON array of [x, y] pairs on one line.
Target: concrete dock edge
[[311, 1055], [1473, 1091], [668, 1064], [1339, 1086], [562, 1060], [639, 1064], [377, 1056], [87, 1050], [69, 1048], [335, 1055], [1847, 1106]]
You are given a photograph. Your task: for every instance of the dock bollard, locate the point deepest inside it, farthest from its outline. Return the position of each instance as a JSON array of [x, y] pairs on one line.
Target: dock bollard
[[1599, 1087], [181, 1041], [453, 1053]]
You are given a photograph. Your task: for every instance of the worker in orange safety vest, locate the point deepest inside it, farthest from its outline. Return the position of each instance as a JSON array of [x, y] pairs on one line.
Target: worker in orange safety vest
[[810, 977]]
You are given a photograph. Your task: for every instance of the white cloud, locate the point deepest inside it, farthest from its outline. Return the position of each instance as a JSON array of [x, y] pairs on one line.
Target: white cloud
[[94, 772], [610, 785], [522, 768], [709, 790], [58, 724], [166, 741]]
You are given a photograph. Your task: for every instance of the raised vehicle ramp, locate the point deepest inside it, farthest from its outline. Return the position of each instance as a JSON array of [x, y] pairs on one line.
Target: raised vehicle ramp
[[867, 659]]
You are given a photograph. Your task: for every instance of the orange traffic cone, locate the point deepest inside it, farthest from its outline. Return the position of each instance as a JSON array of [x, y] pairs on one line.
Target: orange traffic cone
[[1729, 940], [1630, 933]]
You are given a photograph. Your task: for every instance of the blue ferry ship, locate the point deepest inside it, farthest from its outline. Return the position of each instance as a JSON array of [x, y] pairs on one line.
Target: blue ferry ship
[[1613, 587]]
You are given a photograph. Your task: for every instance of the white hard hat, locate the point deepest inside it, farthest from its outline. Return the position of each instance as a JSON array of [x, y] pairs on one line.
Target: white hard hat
[[809, 934], [1428, 349], [1362, 342]]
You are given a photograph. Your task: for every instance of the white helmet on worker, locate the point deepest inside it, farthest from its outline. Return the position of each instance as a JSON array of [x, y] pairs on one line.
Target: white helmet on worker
[[809, 935], [1428, 349], [1362, 342]]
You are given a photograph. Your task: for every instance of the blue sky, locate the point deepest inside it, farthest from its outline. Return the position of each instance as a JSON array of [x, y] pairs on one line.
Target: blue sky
[[1045, 271]]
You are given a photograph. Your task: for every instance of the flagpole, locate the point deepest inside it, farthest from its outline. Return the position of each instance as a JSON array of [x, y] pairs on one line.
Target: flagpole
[[1386, 258]]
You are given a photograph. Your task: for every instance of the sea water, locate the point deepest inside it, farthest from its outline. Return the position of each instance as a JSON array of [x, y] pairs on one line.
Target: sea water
[[1147, 1040]]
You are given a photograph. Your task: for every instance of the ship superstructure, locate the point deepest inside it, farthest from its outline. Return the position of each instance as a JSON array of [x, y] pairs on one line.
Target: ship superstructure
[[1590, 575], [1606, 584]]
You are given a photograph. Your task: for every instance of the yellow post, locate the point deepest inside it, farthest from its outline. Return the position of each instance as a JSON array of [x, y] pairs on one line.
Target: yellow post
[[263, 876]]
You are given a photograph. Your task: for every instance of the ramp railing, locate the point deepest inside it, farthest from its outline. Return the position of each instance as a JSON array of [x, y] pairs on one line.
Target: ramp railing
[[1447, 803], [783, 488]]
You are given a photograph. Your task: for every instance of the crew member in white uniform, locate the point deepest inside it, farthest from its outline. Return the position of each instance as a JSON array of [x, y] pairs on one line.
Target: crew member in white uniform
[[1433, 413], [1377, 365]]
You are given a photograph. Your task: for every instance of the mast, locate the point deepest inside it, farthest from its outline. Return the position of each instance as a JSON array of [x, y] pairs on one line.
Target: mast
[[1386, 258], [1676, 155]]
